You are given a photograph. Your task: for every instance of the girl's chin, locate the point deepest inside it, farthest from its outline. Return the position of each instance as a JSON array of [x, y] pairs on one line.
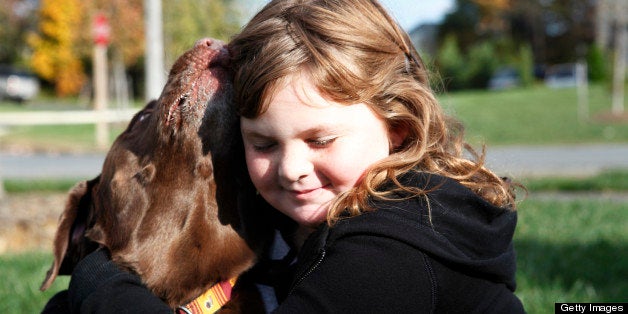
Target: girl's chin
[[309, 218]]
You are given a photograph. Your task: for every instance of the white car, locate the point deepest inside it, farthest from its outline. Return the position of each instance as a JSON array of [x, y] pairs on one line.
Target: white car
[[562, 75], [16, 84]]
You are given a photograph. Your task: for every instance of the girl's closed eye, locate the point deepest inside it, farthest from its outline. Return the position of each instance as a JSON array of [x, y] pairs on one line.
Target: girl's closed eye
[[322, 142], [263, 147]]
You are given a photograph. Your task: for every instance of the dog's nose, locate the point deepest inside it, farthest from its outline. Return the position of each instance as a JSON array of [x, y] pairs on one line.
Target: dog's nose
[[210, 42], [203, 42]]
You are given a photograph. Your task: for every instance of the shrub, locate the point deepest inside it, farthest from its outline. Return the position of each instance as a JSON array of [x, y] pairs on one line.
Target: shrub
[[596, 64], [451, 64], [482, 62], [526, 65]]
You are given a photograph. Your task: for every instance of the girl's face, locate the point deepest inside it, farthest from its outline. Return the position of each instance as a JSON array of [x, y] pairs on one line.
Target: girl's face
[[305, 150]]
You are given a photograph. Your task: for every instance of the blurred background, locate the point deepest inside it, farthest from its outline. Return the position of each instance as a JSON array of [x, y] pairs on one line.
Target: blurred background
[[540, 83]]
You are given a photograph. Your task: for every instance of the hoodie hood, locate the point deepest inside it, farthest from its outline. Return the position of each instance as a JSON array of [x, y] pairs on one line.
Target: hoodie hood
[[450, 223]]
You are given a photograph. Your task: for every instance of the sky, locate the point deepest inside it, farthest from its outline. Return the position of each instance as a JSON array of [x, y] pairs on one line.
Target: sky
[[409, 13]]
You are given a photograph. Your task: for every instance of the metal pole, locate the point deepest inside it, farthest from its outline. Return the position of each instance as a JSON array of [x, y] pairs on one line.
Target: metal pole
[[155, 72], [582, 91], [101, 93], [2, 191], [619, 75]]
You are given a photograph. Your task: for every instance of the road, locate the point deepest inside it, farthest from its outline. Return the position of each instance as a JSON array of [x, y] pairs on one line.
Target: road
[[515, 161]]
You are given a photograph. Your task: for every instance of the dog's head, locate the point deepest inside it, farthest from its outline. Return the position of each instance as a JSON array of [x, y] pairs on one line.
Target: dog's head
[[154, 205]]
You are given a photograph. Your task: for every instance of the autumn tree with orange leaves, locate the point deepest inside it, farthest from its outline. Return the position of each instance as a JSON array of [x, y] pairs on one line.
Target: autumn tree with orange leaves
[[64, 40], [63, 44], [494, 15], [55, 57]]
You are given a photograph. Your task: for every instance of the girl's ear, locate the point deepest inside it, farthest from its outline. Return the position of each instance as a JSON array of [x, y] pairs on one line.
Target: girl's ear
[[397, 135]]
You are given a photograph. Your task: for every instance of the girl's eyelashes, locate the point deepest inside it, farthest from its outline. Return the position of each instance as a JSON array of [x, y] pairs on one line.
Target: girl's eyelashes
[[268, 146], [322, 142], [263, 147]]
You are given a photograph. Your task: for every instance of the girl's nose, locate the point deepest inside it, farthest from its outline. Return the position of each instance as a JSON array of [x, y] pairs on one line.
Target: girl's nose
[[294, 165]]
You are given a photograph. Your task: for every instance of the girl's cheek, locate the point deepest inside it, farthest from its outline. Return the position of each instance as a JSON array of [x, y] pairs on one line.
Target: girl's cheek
[[259, 167]]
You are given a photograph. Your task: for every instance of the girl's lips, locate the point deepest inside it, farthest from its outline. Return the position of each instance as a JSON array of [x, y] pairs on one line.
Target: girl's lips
[[306, 193]]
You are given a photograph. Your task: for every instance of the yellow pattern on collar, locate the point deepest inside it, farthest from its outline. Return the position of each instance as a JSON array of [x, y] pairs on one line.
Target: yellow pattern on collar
[[210, 301]]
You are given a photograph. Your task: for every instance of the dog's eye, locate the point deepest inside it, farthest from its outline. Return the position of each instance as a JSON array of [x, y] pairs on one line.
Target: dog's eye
[[140, 118], [143, 116]]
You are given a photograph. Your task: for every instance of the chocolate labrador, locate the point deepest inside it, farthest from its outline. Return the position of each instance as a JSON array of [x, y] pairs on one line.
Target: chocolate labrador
[[155, 205]]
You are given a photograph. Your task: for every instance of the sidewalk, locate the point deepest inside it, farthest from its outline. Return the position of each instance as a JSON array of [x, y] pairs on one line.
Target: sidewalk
[[557, 160]]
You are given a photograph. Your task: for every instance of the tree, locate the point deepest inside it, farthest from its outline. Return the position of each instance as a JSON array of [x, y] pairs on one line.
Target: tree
[[559, 31], [55, 57], [461, 23], [126, 19], [17, 20], [451, 64], [493, 16], [62, 42]]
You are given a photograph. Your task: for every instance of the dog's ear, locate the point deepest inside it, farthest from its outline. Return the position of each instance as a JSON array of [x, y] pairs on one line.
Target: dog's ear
[[70, 244]]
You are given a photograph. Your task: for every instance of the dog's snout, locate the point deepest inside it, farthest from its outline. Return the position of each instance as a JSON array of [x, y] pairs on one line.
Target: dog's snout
[[204, 42], [210, 42]]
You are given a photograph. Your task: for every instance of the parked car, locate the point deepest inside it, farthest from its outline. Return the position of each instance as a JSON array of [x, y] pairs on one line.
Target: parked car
[[17, 84], [561, 75], [504, 78]]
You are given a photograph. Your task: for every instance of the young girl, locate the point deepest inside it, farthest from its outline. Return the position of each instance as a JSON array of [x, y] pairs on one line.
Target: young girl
[[343, 135]]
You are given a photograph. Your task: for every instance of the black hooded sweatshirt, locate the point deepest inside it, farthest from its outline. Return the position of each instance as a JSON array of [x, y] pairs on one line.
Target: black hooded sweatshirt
[[449, 251]]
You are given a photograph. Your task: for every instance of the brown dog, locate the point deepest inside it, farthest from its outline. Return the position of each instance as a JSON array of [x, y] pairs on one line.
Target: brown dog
[[155, 204]]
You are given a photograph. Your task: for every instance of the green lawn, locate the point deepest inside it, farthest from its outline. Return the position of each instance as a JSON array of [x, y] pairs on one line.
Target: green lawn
[[72, 138], [571, 251], [606, 181], [21, 277], [536, 115]]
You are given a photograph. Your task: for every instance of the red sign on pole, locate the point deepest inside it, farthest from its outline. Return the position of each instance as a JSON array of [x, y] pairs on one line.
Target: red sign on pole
[[101, 30]]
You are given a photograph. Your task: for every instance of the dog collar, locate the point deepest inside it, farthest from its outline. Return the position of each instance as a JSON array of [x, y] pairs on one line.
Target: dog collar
[[210, 301]]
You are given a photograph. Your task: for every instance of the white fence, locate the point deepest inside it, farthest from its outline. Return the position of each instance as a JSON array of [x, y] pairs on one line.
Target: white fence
[[101, 118], [66, 117]]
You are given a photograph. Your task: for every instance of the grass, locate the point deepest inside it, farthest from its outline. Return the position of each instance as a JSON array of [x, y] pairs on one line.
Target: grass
[[23, 186], [71, 138], [536, 115], [22, 275], [615, 180], [571, 251]]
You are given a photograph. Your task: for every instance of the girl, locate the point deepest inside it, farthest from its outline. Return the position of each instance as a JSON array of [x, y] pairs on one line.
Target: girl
[[342, 134]]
